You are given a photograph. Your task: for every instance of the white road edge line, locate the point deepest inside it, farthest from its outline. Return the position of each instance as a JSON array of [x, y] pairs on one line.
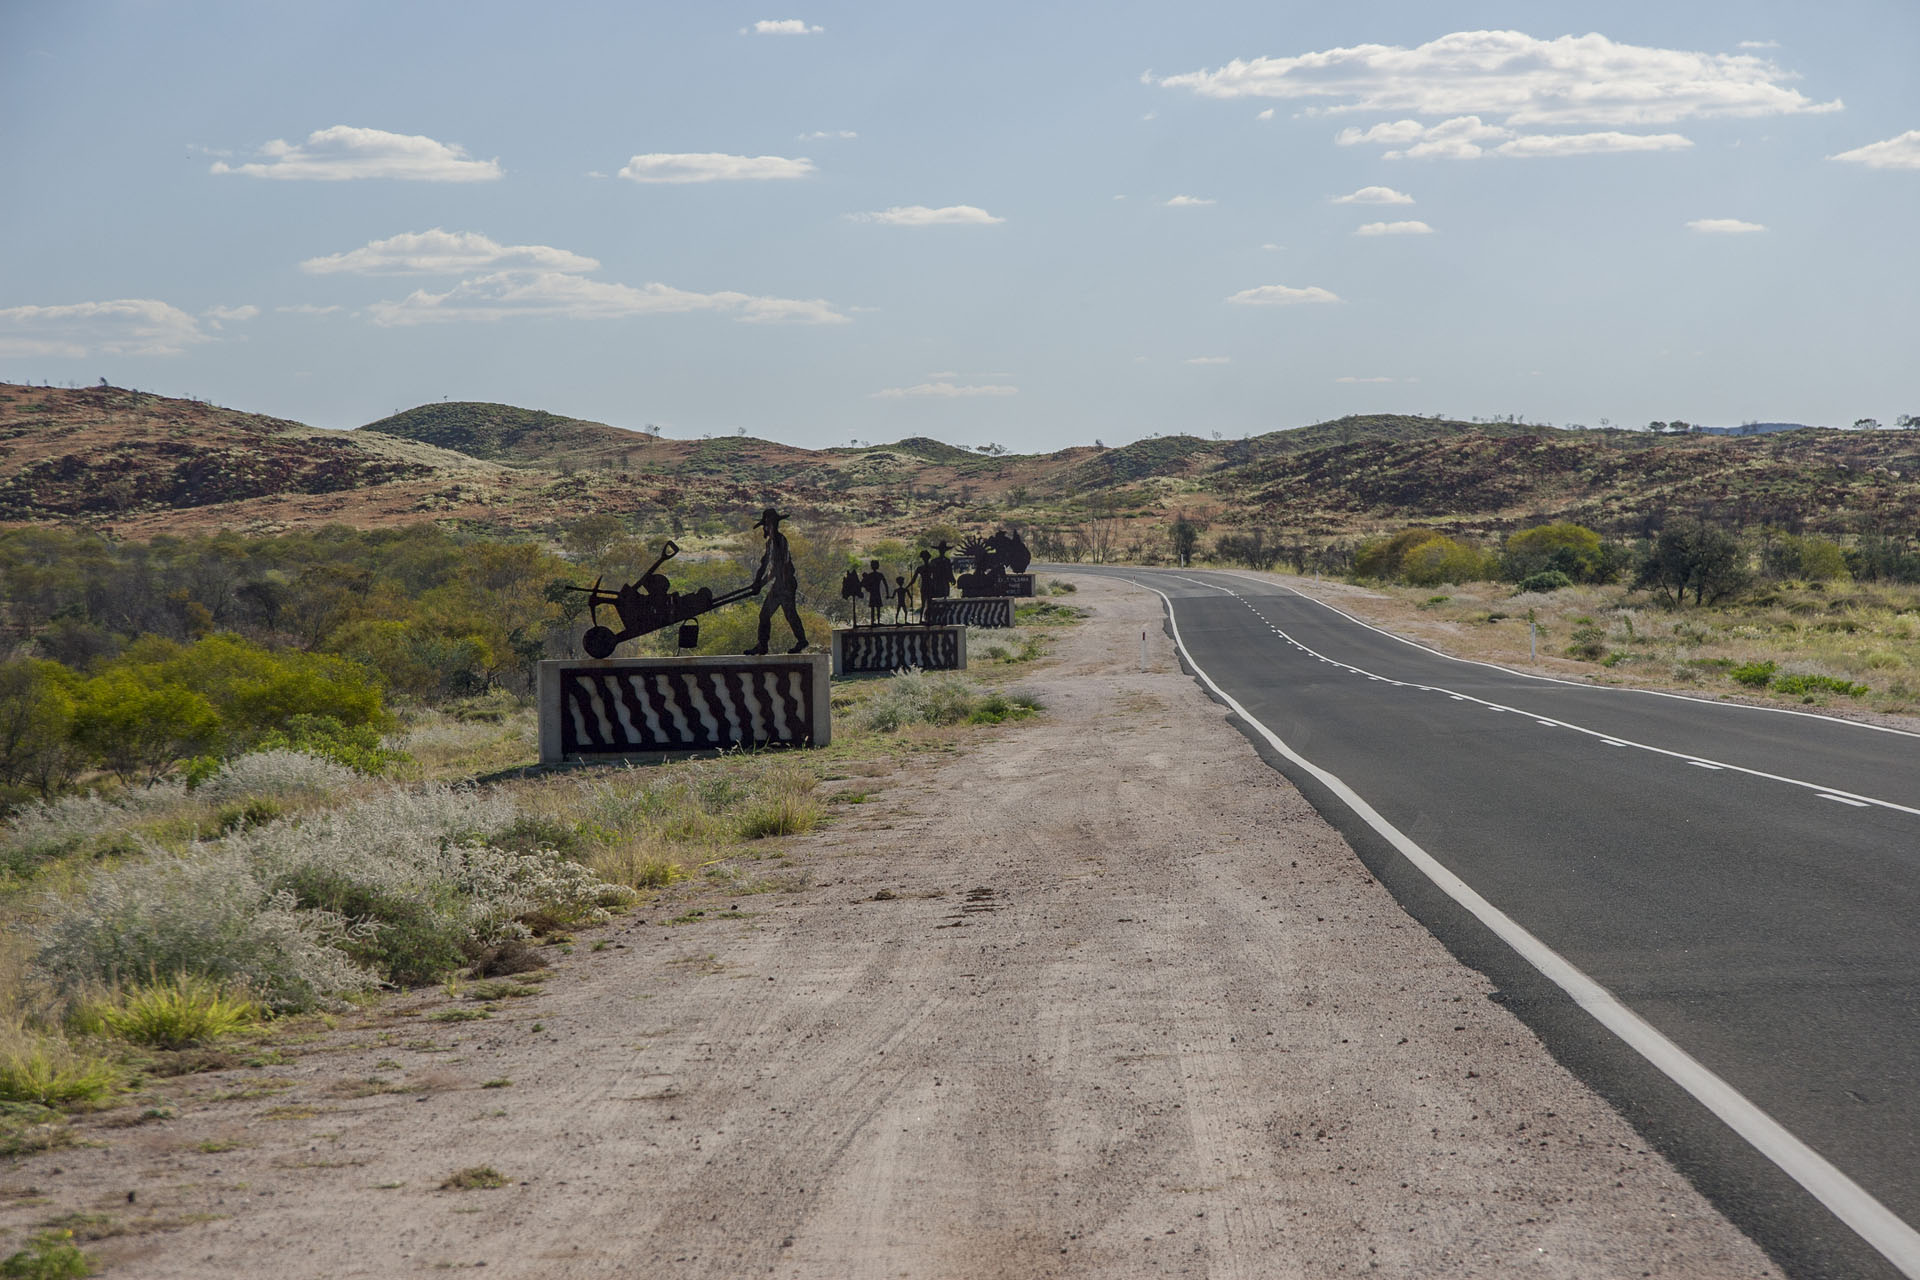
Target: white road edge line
[[1530, 675], [1866, 801], [1845, 1198]]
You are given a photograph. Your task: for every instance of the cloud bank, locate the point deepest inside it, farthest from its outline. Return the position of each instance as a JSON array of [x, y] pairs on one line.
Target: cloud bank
[[1470, 137], [1518, 78], [511, 294], [781, 27], [344, 153], [1408, 228], [1725, 226], [1901, 152], [919, 215], [712, 166], [442, 252], [1280, 295], [1375, 195], [122, 327]]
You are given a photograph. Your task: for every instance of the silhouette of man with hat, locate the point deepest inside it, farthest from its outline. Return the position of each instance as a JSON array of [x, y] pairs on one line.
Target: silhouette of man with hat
[[777, 574]]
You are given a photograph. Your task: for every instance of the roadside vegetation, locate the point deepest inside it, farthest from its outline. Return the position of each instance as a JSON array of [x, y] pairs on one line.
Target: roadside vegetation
[[1791, 617], [220, 828]]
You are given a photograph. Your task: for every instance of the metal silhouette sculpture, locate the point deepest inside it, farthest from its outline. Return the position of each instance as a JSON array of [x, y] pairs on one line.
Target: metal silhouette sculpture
[[902, 600], [649, 605], [935, 573], [873, 584], [776, 573], [993, 559]]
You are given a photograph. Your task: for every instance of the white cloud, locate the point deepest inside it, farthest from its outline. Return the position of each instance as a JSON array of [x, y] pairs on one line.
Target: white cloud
[[1759, 44], [1366, 379], [1725, 226], [220, 316], [1902, 152], [781, 27], [1408, 228], [1265, 115], [712, 166], [1209, 359], [344, 152], [1273, 248], [1469, 137], [595, 173], [1375, 195], [942, 390], [506, 294], [441, 252], [1518, 78], [1592, 144], [1188, 202], [308, 309], [819, 134], [1280, 295], [123, 327], [919, 215]]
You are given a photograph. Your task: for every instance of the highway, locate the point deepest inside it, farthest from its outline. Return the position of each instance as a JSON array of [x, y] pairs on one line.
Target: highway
[[1710, 912]]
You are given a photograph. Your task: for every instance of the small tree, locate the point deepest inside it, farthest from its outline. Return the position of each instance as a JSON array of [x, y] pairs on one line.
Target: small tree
[[1185, 534], [1692, 555]]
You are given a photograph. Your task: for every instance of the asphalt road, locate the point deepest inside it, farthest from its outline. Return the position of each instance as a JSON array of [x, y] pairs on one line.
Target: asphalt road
[[1746, 881]]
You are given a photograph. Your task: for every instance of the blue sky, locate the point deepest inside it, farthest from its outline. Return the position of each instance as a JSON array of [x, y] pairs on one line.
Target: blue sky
[[825, 222]]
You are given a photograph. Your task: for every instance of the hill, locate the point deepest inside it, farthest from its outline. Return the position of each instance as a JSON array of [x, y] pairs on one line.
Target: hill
[[140, 464]]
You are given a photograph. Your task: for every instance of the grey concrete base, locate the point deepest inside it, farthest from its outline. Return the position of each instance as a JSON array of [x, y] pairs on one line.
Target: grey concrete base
[[631, 706], [979, 611], [864, 650]]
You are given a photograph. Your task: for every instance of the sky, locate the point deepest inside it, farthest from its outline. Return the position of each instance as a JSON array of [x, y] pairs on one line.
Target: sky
[[1028, 225]]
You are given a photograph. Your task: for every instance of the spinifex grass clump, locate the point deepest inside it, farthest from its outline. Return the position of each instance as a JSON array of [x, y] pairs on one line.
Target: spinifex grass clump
[[645, 825], [175, 1012], [46, 1072], [397, 887], [915, 697]]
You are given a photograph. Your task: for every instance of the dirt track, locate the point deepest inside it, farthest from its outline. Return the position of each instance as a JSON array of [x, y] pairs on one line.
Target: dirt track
[[1105, 999]]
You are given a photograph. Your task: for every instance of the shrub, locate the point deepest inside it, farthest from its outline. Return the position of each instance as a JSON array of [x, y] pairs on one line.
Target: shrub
[[1799, 685], [52, 1255], [212, 914], [1757, 675], [914, 697], [279, 773], [353, 746], [1589, 643], [44, 1071], [1545, 580], [51, 829], [1442, 559], [174, 1013], [1572, 549], [998, 707]]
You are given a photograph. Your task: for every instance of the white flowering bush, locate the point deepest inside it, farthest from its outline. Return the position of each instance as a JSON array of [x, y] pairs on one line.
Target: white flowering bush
[[50, 829], [206, 914], [914, 697], [396, 887], [278, 775]]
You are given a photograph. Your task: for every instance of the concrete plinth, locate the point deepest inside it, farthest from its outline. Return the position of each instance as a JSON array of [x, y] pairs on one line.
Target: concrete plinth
[[630, 706], [859, 650], [973, 611]]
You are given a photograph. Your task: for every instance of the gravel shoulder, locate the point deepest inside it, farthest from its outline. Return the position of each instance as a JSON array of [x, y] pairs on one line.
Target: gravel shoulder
[[1099, 995]]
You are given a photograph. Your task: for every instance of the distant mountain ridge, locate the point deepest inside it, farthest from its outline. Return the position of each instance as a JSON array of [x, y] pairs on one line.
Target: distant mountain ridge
[[141, 464]]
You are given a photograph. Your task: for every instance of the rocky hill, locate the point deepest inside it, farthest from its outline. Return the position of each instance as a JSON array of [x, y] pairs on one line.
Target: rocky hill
[[141, 464]]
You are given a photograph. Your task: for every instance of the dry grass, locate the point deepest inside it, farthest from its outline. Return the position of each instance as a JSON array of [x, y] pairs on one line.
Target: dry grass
[[1867, 634]]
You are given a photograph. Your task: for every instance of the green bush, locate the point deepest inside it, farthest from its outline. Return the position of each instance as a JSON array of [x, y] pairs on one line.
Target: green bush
[[998, 707], [1545, 580], [1799, 685], [52, 1255], [43, 1071], [914, 697], [173, 1013], [1589, 643], [1756, 675]]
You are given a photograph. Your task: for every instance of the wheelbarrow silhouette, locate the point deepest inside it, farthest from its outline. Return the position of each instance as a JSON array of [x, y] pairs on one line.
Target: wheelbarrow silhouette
[[650, 604]]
